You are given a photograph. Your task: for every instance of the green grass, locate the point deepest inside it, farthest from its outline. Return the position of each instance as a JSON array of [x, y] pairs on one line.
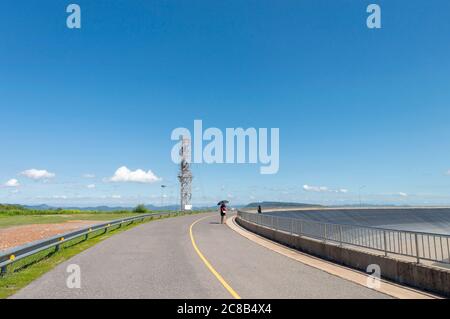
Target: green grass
[[18, 220], [14, 210], [16, 215], [24, 271]]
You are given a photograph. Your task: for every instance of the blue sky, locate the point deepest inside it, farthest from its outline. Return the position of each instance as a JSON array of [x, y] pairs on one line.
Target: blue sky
[[355, 107]]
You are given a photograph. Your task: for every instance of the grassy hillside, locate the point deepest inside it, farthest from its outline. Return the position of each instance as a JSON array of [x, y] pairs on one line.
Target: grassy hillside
[[16, 215], [19, 220], [17, 210]]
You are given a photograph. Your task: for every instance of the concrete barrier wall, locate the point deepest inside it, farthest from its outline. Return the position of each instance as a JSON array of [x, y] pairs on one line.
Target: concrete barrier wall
[[415, 275]]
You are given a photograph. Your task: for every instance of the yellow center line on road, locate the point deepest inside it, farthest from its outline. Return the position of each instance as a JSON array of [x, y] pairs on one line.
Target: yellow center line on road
[[208, 264]]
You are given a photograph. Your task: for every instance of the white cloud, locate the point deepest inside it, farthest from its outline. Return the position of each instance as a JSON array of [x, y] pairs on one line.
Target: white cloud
[[318, 189], [123, 174], [59, 197], [88, 176], [37, 174], [323, 189], [116, 196], [403, 194], [12, 183], [91, 186], [447, 173]]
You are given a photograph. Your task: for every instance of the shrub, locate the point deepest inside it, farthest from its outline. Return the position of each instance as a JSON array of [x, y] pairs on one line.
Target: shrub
[[140, 209]]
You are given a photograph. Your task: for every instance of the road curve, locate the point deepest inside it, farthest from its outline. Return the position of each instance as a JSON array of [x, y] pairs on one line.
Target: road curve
[[160, 260]]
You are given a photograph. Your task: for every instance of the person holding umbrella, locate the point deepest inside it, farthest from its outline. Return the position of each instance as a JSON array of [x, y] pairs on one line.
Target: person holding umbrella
[[223, 210]]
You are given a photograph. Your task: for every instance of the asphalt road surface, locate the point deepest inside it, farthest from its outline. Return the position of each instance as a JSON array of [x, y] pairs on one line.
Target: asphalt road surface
[[158, 260]]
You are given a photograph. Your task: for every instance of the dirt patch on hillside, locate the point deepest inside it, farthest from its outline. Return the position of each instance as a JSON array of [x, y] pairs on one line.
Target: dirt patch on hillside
[[20, 235]]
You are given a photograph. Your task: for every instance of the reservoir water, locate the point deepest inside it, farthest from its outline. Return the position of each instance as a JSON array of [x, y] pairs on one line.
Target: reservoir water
[[432, 220]]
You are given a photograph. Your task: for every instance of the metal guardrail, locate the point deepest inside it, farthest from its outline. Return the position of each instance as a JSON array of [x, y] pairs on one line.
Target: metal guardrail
[[18, 253], [418, 245]]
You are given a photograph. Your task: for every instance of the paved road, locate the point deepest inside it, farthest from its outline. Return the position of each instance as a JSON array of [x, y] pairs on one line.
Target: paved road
[[158, 260]]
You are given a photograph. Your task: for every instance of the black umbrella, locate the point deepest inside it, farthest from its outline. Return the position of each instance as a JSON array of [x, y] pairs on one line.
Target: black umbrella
[[222, 202]]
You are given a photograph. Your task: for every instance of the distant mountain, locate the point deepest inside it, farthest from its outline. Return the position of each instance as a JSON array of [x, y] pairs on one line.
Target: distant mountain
[[104, 208], [38, 207], [371, 205], [96, 208], [167, 207], [9, 207], [280, 204]]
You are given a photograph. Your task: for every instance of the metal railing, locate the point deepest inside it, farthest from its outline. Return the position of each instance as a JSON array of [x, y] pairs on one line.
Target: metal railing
[[15, 254], [418, 245]]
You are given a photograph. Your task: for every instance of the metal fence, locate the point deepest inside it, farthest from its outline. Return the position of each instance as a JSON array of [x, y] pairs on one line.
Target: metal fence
[[19, 253], [418, 245]]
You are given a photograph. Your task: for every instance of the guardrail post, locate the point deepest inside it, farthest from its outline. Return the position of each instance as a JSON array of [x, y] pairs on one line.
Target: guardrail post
[[385, 243], [3, 271], [292, 226], [56, 248], [417, 248], [325, 234], [340, 235]]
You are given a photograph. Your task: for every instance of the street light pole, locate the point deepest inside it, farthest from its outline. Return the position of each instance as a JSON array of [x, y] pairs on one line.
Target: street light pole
[[162, 195], [360, 202]]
